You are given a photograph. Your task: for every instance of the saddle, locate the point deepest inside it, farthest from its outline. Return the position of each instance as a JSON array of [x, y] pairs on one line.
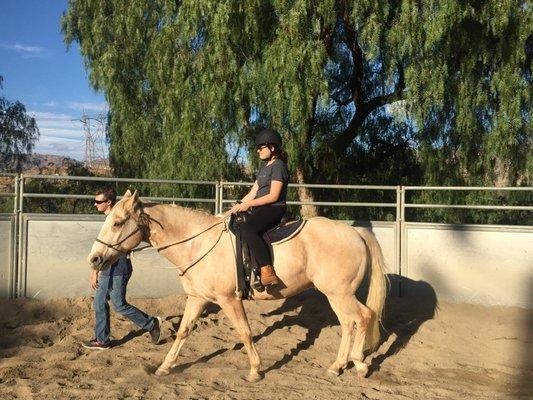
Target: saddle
[[248, 276]]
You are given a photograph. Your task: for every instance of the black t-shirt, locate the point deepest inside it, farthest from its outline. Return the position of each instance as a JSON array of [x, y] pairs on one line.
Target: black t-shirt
[[277, 171]]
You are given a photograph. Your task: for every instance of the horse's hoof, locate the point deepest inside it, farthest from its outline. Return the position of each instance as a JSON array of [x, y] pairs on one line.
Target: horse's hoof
[[336, 369], [362, 370], [253, 377], [162, 372]]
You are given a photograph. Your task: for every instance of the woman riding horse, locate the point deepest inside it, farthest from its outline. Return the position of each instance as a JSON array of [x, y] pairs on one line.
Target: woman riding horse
[[266, 201]]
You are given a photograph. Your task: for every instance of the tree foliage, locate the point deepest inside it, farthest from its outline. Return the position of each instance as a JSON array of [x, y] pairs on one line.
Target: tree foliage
[[381, 91], [18, 134]]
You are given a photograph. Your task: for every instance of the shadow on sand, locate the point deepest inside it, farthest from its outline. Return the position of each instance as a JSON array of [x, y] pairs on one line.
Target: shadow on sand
[[403, 316]]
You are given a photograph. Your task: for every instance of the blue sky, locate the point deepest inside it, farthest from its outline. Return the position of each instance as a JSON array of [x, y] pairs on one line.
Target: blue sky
[[39, 72]]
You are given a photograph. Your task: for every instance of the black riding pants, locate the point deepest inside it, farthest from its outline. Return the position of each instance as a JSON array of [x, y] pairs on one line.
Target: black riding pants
[[260, 220]]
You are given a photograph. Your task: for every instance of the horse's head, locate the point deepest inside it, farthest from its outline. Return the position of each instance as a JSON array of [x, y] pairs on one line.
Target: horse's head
[[119, 234]]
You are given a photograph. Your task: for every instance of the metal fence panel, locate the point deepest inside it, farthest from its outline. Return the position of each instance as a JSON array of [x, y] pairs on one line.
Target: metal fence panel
[[7, 247], [55, 262], [489, 265], [44, 255]]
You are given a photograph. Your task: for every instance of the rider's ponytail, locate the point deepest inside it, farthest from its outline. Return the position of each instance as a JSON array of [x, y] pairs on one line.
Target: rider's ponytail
[[280, 153]]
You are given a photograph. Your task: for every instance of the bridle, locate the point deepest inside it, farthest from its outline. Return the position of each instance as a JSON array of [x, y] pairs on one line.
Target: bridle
[[141, 226], [115, 247]]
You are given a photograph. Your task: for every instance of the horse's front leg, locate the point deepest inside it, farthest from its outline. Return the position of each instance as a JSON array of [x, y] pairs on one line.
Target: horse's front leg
[[193, 309], [234, 309]]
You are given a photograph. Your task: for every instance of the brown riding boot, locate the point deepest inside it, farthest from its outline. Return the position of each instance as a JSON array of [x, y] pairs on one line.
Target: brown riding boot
[[268, 276]]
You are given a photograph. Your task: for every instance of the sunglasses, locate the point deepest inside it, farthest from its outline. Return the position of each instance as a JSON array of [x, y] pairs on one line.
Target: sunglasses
[[99, 201], [261, 147]]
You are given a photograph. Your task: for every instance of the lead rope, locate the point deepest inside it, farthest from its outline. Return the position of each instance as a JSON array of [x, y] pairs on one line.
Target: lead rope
[[182, 269]]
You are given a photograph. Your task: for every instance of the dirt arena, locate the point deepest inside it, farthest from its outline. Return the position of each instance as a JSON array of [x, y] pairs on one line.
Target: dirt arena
[[430, 351]]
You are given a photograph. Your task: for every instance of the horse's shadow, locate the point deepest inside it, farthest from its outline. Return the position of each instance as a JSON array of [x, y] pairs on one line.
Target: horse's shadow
[[315, 314], [173, 320], [403, 316]]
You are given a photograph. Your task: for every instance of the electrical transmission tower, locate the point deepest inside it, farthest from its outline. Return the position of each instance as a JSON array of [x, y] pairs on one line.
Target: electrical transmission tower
[[95, 129]]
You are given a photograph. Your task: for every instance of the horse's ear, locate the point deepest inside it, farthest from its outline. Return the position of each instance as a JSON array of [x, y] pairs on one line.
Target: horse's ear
[[132, 201], [128, 193]]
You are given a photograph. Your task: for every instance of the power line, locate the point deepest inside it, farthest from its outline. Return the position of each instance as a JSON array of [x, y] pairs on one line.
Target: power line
[[95, 147]]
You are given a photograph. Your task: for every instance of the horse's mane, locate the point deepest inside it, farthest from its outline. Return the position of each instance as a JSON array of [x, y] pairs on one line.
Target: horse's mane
[[200, 216]]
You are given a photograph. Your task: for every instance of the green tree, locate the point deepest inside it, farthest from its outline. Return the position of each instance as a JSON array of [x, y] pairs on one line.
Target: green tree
[[18, 134], [378, 91]]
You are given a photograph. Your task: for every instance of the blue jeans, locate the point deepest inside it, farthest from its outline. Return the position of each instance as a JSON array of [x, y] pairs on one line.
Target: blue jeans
[[114, 288]]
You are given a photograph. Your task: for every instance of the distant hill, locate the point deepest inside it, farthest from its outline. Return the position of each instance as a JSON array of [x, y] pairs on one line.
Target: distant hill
[[51, 164], [56, 164], [46, 161]]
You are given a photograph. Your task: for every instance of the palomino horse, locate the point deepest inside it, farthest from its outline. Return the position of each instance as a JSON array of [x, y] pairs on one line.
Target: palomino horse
[[329, 255]]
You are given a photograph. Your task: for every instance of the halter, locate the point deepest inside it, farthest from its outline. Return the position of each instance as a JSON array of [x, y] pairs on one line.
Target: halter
[[114, 246]]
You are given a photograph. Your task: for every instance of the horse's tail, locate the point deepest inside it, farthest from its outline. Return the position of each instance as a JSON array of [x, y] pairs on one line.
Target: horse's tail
[[378, 287]]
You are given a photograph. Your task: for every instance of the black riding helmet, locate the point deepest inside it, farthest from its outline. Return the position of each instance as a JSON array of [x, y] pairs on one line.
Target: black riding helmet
[[268, 136]]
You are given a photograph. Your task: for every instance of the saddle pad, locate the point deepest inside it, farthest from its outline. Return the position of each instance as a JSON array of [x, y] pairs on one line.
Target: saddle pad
[[284, 232]]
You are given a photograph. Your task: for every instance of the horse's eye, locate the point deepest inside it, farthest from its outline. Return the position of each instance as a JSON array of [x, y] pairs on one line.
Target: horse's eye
[[118, 223]]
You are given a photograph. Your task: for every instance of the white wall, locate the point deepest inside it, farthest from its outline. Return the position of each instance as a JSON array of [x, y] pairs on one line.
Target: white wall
[[489, 265], [56, 261]]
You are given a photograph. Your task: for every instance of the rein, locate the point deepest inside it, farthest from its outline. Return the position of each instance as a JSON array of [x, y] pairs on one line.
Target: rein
[[182, 269]]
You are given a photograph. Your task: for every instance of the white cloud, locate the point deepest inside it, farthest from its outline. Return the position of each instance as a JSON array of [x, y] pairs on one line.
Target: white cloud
[[99, 107], [27, 51], [60, 146], [50, 116], [60, 134], [48, 121], [64, 133]]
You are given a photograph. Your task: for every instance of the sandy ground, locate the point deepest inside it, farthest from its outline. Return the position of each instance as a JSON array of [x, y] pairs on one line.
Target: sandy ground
[[430, 351]]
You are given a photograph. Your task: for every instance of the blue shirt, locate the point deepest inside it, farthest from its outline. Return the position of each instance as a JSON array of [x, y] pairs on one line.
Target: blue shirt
[[121, 267]]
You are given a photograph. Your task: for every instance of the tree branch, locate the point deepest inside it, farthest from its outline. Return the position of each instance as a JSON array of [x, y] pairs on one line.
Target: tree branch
[[363, 109], [356, 79]]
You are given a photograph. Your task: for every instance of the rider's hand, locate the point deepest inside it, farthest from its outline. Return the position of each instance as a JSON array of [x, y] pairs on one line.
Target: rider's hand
[[94, 279], [239, 207]]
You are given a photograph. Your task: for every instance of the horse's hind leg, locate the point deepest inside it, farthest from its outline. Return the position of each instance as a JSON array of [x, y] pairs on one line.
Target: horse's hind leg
[[350, 313], [357, 354], [234, 309], [193, 309]]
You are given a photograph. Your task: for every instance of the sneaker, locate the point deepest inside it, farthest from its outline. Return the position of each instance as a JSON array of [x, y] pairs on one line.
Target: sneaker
[[155, 333], [95, 345]]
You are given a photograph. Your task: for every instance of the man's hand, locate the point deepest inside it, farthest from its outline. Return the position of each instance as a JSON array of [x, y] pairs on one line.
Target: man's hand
[[94, 279]]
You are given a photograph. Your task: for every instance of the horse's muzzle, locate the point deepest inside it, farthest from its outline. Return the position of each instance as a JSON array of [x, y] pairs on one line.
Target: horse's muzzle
[[97, 262]]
